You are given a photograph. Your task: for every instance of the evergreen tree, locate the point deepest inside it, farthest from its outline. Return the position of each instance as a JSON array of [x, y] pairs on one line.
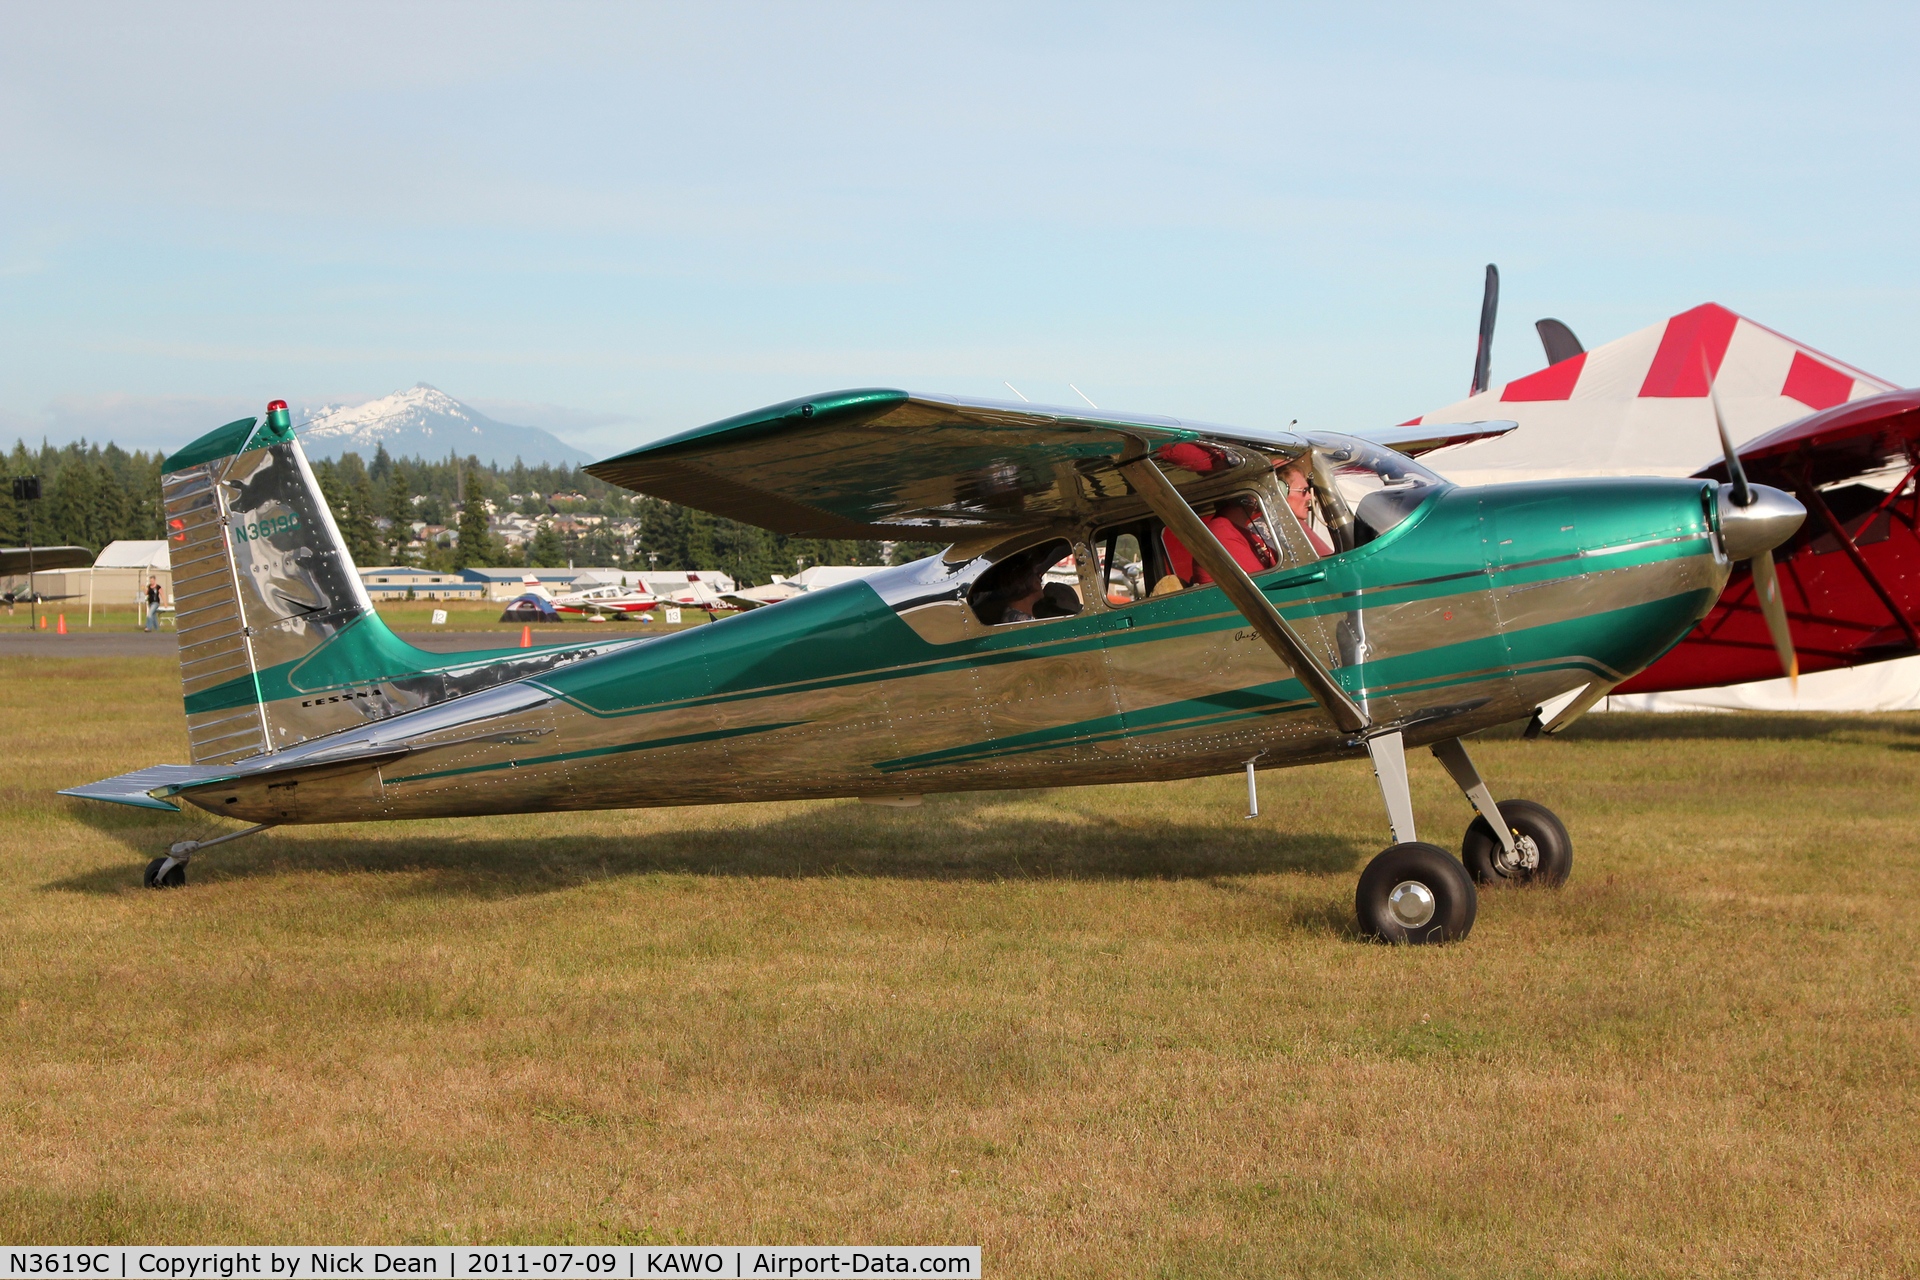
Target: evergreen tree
[[546, 550], [399, 509], [476, 545], [600, 549]]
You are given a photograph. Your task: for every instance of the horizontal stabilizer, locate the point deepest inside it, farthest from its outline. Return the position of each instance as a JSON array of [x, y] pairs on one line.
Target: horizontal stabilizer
[[430, 729], [145, 788]]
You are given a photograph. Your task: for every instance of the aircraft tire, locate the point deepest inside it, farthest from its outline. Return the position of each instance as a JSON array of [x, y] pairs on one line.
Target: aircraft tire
[[1415, 894], [175, 878], [1551, 849]]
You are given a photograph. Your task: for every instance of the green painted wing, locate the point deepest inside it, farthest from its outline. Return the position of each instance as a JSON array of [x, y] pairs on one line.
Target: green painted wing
[[881, 463]]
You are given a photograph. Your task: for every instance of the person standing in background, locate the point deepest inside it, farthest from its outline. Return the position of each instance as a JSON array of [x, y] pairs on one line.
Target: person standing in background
[[153, 605]]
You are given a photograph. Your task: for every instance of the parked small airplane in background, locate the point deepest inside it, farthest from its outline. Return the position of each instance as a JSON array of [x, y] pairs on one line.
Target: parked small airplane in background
[[1339, 601], [1844, 443], [594, 600], [816, 577], [614, 599]]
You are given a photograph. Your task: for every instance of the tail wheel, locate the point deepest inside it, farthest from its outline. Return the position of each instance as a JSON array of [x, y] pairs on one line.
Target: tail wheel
[[175, 877], [1542, 854], [1415, 893]]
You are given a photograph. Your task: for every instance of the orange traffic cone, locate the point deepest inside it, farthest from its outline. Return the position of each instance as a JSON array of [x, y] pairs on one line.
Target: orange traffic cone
[[526, 637], [62, 628], [43, 624]]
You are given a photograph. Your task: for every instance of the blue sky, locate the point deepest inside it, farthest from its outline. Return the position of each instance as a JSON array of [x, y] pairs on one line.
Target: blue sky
[[620, 221]]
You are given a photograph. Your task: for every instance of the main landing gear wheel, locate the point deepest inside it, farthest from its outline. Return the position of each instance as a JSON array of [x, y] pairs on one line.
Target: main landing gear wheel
[[1542, 851], [175, 877], [1415, 893]]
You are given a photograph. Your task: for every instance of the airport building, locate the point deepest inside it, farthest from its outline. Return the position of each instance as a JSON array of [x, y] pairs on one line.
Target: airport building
[[505, 584], [393, 582]]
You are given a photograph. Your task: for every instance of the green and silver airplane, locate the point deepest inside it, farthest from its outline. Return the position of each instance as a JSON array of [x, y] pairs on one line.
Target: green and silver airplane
[[1343, 600]]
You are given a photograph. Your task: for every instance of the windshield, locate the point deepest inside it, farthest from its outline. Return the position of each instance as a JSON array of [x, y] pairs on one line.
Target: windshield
[[1366, 488]]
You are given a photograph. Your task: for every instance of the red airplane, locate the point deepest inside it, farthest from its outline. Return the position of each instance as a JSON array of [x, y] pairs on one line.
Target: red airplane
[[1850, 578], [1648, 404]]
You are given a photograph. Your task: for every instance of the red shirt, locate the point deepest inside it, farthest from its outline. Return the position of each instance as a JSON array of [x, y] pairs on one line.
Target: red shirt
[[1243, 545]]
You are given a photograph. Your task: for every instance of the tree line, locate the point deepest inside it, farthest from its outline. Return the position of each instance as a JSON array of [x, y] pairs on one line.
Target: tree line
[[95, 494]]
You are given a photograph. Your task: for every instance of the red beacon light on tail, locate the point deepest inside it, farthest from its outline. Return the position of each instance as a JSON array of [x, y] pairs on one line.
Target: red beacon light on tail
[[277, 415]]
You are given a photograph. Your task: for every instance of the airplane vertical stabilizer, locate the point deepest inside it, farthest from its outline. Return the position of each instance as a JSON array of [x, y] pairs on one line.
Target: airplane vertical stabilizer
[[263, 588]]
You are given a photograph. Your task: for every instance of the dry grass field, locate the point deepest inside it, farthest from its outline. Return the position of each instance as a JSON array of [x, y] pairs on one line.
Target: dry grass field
[[1115, 1031]]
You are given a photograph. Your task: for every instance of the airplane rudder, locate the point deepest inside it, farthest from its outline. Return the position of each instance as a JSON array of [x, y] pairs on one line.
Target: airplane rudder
[[262, 578]]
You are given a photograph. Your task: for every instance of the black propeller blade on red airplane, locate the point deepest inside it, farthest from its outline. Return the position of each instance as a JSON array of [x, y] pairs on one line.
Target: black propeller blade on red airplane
[[1489, 305], [1558, 340]]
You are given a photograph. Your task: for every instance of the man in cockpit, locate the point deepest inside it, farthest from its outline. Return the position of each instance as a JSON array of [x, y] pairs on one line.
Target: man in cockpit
[[1237, 523], [1300, 502]]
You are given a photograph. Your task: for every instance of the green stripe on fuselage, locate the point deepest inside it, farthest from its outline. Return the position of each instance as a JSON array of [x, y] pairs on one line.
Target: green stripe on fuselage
[[1601, 646], [650, 744], [847, 635], [359, 653]]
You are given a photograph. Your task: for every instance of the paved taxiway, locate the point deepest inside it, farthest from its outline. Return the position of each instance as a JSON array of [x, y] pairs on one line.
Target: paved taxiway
[[130, 644]]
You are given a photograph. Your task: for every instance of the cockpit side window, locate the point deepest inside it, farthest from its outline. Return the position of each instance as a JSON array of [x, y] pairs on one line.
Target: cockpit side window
[[1029, 585], [1142, 560]]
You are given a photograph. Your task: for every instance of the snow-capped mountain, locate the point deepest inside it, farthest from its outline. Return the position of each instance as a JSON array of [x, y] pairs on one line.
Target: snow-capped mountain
[[426, 422]]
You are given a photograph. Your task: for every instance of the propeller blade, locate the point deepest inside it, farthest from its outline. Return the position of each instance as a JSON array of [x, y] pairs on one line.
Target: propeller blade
[[1737, 474], [1766, 581], [1489, 306]]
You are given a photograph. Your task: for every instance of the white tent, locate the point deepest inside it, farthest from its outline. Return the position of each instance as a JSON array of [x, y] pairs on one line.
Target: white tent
[[135, 555], [1638, 407], [120, 572], [1879, 686]]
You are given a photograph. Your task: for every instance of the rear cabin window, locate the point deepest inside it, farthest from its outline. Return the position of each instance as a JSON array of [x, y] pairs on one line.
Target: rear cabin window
[[1030, 585]]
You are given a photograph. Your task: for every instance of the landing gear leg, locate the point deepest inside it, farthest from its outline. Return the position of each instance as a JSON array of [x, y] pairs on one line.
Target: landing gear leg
[[170, 872], [1513, 842], [1412, 892]]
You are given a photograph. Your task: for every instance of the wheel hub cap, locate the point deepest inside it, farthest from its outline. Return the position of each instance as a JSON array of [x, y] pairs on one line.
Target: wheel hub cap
[[1410, 904], [1524, 860]]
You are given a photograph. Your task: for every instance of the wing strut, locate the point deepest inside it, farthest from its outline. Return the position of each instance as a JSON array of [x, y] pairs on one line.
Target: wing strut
[[1852, 549], [1166, 502]]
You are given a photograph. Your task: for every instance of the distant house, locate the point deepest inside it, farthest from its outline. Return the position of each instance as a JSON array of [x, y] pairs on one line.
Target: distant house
[[392, 582]]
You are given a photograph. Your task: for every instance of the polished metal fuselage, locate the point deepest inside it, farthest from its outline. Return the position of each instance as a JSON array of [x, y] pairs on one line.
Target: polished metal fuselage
[[1472, 612]]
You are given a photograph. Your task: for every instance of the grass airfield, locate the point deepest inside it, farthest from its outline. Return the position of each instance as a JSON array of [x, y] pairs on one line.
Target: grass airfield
[[1102, 1031]]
